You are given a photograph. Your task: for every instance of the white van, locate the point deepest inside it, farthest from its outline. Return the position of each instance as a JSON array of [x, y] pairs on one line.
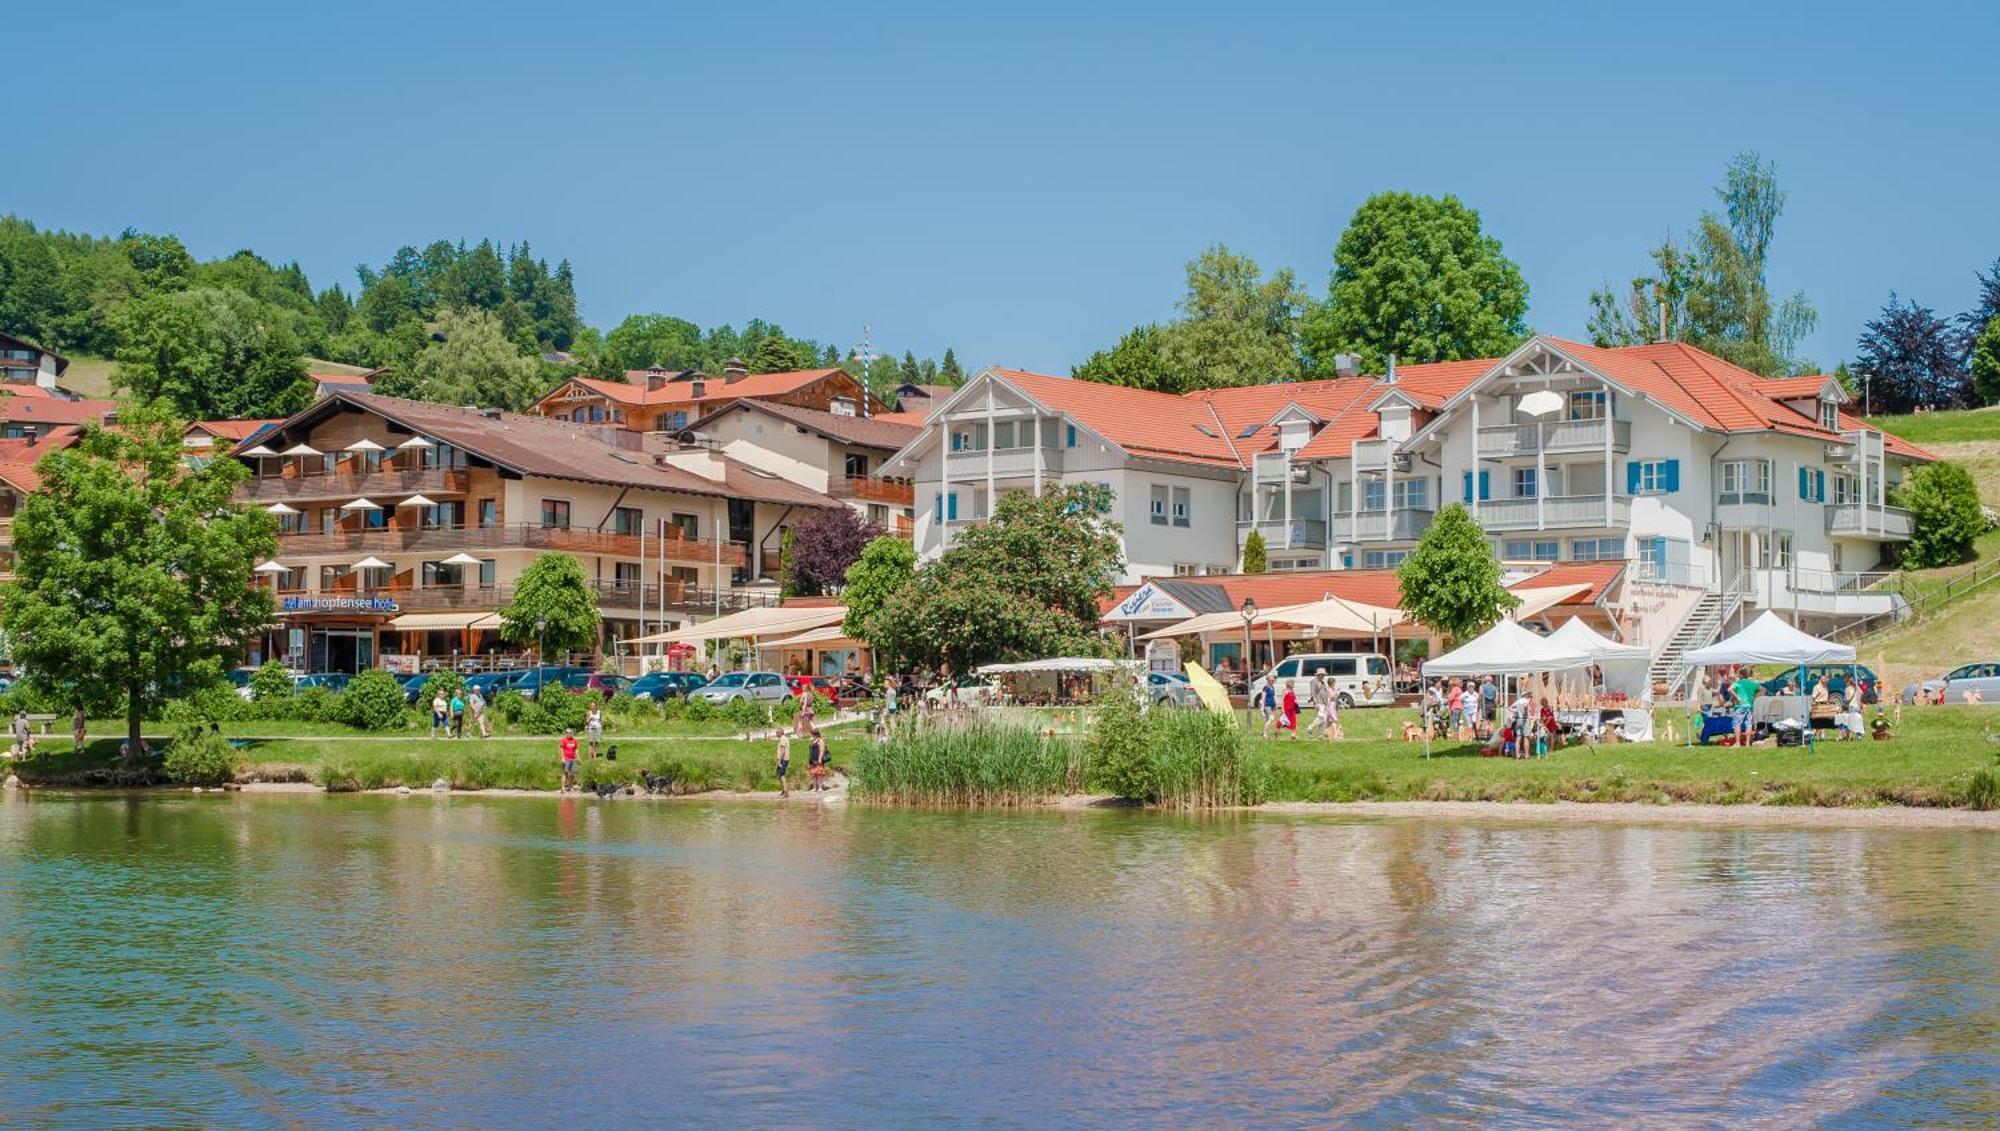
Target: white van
[[1359, 678]]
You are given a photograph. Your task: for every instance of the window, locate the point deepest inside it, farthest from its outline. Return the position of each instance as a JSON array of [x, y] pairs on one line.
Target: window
[[1588, 404], [978, 504], [442, 575], [674, 421], [1157, 509], [1597, 549], [365, 462], [625, 575], [1829, 416], [377, 519], [1385, 559], [1652, 476], [1746, 481], [1524, 482], [1182, 498], [1374, 495], [1812, 485], [1845, 490], [688, 526], [443, 455], [1069, 436], [1003, 435], [445, 516], [555, 514], [855, 465], [1413, 494], [327, 517], [1653, 558], [1530, 550], [1775, 552], [1184, 569], [627, 520], [489, 513]]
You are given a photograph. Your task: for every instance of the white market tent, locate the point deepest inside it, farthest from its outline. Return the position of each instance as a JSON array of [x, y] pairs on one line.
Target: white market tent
[[1509, 649], [1625, 666], [1206, 622], [1769, 640]]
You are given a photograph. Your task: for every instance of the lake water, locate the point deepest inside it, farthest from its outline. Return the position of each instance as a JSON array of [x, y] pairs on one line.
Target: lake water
[[300, 960]]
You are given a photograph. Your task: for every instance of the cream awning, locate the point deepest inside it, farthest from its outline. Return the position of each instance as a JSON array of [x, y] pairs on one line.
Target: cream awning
[[771, 621], [1336, 615], [1547, 597], [1206, 622], [813, 638], [446, 620]]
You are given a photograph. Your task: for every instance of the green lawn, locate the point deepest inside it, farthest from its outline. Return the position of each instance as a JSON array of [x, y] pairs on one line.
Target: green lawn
[[1942, 427]]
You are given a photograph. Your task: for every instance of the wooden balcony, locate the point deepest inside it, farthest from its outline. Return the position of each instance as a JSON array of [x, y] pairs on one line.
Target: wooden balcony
[[445, 540], [868, 489], [612, 596], [391, 483]]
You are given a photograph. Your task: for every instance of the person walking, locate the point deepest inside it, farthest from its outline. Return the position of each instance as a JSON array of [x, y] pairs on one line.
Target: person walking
[[784, 762], [439, 706], [77, 729], [1489, 698], [1291, 709], [805, 716], [24, 738], [476, 703], [1267, 702], [568, 747], [457, 714], [1746, 701], [593, 728]]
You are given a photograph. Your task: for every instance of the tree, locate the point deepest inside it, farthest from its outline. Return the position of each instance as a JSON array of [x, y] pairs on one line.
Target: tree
[[1239, 328], [1945, 515], [1985, 363], [1135, 362], [133, 570], [553, 608], [824, 544], [654, 341], [1715, 289], [1910, 358], [210, 354], [949, 372], [778, 354], [1255, 558], [1451, 580], [910, 373], [469, 360], [1415, 276], [885, 566], [1984, 310]]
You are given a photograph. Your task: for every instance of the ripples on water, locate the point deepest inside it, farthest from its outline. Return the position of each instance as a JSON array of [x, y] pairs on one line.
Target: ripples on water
[[314, 961]]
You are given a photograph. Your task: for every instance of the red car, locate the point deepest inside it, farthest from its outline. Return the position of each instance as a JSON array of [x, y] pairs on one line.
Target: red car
[[839, 691]]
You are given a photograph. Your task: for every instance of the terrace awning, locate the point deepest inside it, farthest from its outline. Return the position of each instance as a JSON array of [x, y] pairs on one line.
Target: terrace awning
[[1206, 622], [1542, 598], [829, 634], [1336, 615], [422, 621], [751, 623]]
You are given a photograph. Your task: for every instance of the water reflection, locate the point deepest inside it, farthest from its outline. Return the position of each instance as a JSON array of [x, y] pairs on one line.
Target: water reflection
[[460, 961]]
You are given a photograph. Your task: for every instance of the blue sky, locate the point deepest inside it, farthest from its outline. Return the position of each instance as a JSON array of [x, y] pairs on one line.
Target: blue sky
[[1021, 181]]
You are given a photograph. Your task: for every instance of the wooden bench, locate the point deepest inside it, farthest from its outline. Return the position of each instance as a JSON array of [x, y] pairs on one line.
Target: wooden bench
[[41, 721]]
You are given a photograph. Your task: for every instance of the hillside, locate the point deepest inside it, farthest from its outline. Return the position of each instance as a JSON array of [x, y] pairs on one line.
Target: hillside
[[91, 376]]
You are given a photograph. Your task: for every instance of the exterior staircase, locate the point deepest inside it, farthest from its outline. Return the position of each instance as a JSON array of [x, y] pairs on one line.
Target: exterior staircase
[[1703, 626]]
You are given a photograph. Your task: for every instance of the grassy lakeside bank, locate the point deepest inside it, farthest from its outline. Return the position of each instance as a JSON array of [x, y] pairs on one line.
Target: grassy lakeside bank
[[1937, 760]]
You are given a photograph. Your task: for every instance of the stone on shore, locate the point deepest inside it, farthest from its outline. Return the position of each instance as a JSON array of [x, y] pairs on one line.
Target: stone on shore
[[441, 786], [12, 782]]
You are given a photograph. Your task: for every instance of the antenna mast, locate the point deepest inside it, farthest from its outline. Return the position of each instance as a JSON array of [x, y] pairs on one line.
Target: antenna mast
[[865, 354]]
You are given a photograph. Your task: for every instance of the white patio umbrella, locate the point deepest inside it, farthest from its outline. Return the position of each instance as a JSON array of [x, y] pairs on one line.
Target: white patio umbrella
[[259, 451], [414, 442], [271, 567], [371, 563], [282, 508], [365, 445], [301, 450], [361, 505], [417, 501], [461, 558], [1542, 402]]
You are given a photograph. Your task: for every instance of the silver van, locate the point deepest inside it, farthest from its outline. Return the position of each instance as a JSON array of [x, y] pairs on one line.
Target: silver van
[[1360, 679]]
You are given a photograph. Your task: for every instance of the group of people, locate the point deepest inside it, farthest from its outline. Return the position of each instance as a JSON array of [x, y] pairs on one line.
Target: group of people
[[593, 729], [448, 712], [1281, 709], [819, 763]]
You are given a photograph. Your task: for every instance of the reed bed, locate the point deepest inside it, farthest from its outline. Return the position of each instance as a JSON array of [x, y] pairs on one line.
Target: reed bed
[[987, 762]]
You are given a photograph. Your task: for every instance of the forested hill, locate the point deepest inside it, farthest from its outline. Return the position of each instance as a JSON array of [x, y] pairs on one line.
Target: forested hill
[[490, 322]]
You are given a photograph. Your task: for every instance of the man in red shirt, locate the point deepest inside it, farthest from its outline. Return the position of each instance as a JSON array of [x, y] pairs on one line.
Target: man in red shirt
[[568, 759]]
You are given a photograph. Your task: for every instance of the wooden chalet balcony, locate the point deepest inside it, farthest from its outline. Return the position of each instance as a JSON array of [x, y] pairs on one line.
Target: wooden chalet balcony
[[611, 595], [343, 485], [452, 539], [868, 489]]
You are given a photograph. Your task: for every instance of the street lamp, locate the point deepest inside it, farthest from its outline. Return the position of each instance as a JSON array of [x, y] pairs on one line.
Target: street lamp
[[541, 655], [1249, 611]]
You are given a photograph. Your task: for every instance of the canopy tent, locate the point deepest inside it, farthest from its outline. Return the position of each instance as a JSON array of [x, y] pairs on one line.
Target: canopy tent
[[1542, 598], [1507, 649], [425, 621], [811, 638], [1206, 622], [1625, 666], [1769, 640], [259, 451], [1059, 664], [1335, 614], [752, 623]]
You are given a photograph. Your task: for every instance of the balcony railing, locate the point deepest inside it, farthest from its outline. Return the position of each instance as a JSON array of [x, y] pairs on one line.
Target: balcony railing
[[1504, 440], [1298, 534], [1857, 520], [1400, 525], [388, 481], [450, 539], [1373, 455], [868, 489], [611, 595], [1010, 462], [1556, 512]]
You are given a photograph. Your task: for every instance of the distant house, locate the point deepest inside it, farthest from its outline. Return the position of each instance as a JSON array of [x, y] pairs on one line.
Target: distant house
[[205, 438], [913, 397], [19, 479], [661, 400], [22, 362], [327, 384], [26, 415], [834, 454]]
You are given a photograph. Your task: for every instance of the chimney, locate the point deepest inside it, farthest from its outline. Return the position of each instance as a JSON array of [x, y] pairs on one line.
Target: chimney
[[490, 413], [1389, 376], [1347, 365], [703, 460], [733, 370], [655, 378], [699, 385]]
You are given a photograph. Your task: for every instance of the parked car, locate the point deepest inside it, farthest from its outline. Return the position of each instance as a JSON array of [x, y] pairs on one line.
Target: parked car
[[1170, 689], [973, 691], [658, 687], [331, 681], [604, 683], [488, 684], [1981, 678], [760, 686], [1359, 678], [1836, 679], [530, 681]]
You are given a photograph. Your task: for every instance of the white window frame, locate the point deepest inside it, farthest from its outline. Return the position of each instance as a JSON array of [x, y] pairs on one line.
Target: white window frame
[[1652, 477], [1156, 504], [1182, 506], [1597, 403]]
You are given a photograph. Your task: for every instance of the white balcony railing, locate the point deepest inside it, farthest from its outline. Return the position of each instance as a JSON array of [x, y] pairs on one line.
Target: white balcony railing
[[1504, 440], [1557, 512], [1860, 520], [1298, 534]]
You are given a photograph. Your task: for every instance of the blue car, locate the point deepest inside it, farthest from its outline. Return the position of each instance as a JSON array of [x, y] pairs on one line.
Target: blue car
[[658, 687]]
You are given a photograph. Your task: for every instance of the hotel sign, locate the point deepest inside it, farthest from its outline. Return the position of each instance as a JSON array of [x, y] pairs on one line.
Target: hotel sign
[[337, 605], [1149, 602]]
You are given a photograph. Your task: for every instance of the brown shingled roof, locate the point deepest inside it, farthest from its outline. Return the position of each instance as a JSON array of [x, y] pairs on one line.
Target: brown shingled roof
[[869, 432]]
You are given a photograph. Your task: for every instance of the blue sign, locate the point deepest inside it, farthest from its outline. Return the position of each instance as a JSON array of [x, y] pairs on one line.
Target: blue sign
[[334, 603]]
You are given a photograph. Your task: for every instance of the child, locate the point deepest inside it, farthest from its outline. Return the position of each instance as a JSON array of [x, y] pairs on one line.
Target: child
[[568, 759], [784, 762]]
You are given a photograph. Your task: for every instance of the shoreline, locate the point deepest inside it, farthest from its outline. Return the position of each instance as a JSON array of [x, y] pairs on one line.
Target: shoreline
[[1562, 812]]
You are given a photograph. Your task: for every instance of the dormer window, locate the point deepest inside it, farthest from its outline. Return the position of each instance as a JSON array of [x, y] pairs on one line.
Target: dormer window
[[1829, 414], [1589, 404]]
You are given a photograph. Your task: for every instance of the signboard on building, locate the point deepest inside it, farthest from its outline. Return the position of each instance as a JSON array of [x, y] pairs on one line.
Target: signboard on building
[[1164, 656], [334, 603], [1147, 603], [399, 664]]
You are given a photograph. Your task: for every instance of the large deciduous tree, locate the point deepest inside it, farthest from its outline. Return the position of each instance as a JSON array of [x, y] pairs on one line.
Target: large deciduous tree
[[1417, 277], [211, 354], [1714, 284], [1985, 363], [553, 607], [885, 567], [469, 360], [654, 341], [1236, 328], [1945, 515], [1908, 357], [1135, 361], [133, 570], [1451, 581], [824, 544]]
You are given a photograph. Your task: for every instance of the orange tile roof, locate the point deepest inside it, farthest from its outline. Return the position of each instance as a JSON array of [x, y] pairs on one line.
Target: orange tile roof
[[54, 410], [1698, 386], [1795, 388], [24, 389], [715, 390], [1145, 423], [1599, 576], [912, 419], [235, 429]]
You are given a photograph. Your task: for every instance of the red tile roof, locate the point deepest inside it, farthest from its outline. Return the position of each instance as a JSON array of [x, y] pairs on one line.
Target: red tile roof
[[1599, 576], [714, 389], [1795, 388], [234, 429], [1145, 423], [866, 432], [54, 410], [910, 419], [24, 389], [1697, 386], [19, 456]]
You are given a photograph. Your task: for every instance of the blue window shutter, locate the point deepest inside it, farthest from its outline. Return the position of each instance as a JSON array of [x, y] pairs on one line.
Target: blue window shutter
[[1069, 438], [1632, 477], [1468, 487], [1819, 486], [1485, 488], [951, 506], [1805, 483], [1673, 475]]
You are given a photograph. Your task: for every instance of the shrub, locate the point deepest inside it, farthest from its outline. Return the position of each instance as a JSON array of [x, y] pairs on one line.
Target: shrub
[[199, 756], [1983, 791], [1117, 749], [671, 709], [562, 708], [271, 681], [1945, 515], [1198, 761], [786, 710], [698, 711], [745, 713], [374, 701], [217, 703], [451, 683], [983, 763]]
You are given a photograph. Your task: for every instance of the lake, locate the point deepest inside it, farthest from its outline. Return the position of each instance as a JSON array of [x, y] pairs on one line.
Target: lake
[[304, 960]]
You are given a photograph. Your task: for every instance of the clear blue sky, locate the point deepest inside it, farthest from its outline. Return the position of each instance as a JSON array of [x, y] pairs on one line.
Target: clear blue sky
[[1021, 181]]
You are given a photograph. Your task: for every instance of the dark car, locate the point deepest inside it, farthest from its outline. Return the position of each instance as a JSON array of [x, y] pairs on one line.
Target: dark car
[[413, 686], [661, 686], [1836, 675], [530, 681], [332, 681], [488, 684], [604, 683]]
